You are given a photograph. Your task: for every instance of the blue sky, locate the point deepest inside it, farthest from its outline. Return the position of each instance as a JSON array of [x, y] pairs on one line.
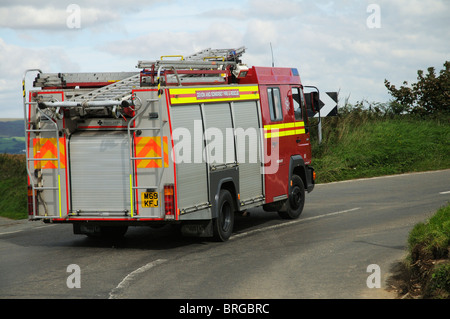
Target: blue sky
[[330, 42]]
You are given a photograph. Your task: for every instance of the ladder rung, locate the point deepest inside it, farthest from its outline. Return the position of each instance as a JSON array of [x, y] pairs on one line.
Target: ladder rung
[[42, 159], [37, 130], [44, 188], [146, 158], [144, 129]]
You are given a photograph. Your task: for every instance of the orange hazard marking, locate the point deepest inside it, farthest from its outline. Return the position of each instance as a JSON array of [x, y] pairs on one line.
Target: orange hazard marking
[[151, 147], [46, 148]]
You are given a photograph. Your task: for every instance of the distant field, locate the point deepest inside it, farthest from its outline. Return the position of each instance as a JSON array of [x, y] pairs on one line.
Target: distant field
[[12, 145], [12, 136]]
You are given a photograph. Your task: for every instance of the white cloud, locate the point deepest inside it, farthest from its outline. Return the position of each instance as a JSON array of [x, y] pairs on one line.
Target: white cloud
[[57, 15], [52, 18], [18, 60], [275, 10]]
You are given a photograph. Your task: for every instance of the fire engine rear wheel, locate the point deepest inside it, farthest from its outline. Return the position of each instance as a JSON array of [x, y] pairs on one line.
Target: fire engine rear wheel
[[223, 224], [296, 199]]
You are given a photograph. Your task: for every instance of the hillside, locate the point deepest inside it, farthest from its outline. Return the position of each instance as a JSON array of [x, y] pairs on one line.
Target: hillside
[[12, 136], [13, 186]]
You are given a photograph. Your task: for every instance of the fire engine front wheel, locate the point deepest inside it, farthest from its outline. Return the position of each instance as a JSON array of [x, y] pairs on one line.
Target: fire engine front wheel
[[296, 199], [223, 224]]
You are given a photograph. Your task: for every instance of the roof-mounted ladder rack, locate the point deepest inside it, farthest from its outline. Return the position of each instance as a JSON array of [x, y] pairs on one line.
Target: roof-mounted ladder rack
[[115, 91], [207, 54], [111, 96], [205, 59]]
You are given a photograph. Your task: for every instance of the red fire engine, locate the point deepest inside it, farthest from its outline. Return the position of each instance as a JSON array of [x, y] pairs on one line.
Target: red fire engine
[[186, 140]]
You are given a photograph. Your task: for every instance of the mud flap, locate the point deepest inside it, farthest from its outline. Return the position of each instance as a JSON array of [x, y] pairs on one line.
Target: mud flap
[[310, 182]]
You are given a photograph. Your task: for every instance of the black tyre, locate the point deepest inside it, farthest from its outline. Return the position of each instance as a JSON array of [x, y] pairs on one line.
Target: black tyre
[[296, 199], [223, 224]]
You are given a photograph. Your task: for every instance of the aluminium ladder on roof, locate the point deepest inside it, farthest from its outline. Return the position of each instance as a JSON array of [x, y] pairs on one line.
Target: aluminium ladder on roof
[[116, 91], [202, 67], [205, 59], [227, 54], [75, 79]]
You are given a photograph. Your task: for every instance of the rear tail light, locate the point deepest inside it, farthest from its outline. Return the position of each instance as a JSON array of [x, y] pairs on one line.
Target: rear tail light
[[169, 200], [30, 201]]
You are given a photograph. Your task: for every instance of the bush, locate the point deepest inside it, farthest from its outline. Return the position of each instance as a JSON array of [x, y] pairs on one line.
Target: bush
[[439, 285], [430, 95]]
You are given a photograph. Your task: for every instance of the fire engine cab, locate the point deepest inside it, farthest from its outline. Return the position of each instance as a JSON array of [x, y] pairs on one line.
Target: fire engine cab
[[188, 140]]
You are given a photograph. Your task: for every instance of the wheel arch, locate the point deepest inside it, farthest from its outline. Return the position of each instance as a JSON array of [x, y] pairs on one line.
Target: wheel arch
[[297, 167]]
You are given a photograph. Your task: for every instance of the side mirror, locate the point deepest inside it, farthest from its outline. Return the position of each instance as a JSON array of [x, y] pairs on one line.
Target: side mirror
[[312, 100]]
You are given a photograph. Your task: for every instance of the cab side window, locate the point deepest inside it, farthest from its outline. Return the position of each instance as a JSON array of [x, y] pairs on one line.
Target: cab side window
[[274, 97]]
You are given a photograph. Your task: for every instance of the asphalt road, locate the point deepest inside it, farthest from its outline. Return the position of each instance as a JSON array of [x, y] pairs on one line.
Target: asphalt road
[[345, 227]]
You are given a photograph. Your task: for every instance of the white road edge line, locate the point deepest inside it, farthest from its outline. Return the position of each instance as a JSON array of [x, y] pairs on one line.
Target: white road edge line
[[381, 177], [21, 230], [291, 223], [130, 277], [444, 193], [11, 232]]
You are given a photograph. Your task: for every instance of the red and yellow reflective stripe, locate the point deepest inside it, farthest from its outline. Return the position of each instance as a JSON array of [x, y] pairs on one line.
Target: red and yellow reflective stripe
[[150, 146], [47, 148], [284, 129], [213, 94]]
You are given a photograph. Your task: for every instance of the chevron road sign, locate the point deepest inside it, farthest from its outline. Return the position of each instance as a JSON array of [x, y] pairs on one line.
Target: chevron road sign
[[328, 104], [328, 107]]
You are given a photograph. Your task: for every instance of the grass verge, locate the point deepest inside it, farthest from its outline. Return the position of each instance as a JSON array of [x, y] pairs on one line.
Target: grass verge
[[425, 273], [360, 145], [13, 186]]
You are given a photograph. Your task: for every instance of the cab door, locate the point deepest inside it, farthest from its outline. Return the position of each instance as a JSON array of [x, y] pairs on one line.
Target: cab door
[[301, 141], [276, 164]]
